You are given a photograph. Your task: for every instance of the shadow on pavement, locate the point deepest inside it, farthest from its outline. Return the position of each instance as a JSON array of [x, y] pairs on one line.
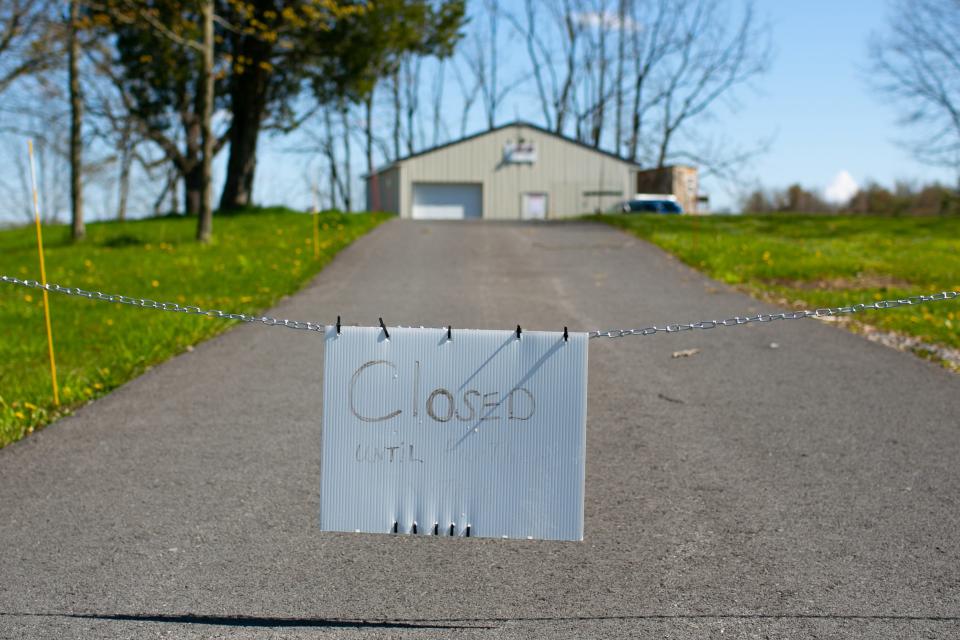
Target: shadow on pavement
[[256, 621]]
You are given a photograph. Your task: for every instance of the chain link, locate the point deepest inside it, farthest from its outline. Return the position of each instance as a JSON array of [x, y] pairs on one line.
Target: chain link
[[146, 303], [770, 317], [827, 312]]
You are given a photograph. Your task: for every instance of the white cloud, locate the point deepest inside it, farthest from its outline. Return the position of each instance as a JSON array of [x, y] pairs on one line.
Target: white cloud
[[607, 20], [841, 188]]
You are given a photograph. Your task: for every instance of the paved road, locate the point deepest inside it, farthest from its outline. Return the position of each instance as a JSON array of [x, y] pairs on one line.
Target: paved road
[[805, 491]]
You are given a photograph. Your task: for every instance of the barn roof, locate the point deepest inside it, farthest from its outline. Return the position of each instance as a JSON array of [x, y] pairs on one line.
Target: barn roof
[[515, 123]]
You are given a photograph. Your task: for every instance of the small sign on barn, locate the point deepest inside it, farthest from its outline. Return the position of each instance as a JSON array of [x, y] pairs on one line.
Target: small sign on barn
[[520, 152], [467, 433]]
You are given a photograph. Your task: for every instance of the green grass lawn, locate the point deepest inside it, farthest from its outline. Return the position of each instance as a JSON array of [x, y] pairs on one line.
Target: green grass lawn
[[824, 261], [255, 258]]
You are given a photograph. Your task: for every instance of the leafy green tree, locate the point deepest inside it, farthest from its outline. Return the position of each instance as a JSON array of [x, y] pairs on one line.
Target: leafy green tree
[[342, 49], [157, 65], [268, 49]]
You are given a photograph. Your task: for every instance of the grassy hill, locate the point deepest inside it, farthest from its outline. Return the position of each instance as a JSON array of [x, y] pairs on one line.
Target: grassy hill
[[824, 261], [256, 258]]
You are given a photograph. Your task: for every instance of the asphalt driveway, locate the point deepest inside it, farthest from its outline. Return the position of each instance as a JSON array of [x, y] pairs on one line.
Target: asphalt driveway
[[804, 490]]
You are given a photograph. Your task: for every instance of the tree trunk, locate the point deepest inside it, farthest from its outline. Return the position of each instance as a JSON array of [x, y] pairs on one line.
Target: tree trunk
[[368, 104], [205, 221], [571, 33], [493, 8], [173, 178], [331, 153], [411, 79], [188, 164], [78, 230], [599, 108], [635, 121], [193, 190], [248, 101], [347, 177], [396, 114], [438, 103], [373, 193], [126, 164], [664, 145], [618, 98], [169, 189]]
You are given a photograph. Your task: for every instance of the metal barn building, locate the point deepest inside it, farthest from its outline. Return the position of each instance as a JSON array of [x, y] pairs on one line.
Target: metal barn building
[[517, 171]]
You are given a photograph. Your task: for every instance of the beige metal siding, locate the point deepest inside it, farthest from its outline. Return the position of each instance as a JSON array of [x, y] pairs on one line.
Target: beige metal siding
[[574, 177]]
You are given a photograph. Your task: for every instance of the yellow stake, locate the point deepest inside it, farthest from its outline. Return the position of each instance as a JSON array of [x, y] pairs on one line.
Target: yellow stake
[[43, 277], [316, 225]]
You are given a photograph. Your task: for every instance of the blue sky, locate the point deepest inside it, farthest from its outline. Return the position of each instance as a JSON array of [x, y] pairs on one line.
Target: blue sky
[[817, 103], [814, 105]]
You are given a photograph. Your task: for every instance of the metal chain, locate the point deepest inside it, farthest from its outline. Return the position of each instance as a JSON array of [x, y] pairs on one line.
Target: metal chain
[[610, 333], [146, 303], [770, 317]]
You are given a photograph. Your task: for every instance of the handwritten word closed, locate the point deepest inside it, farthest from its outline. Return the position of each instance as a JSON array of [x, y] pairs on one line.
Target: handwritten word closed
[[440, 404]]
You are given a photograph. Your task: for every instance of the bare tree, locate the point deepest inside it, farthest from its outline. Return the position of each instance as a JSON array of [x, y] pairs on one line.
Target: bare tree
[[483, 62], [709, 63], [618, 77], [397, 111], [552, 31], [111, 122], [489, 86], [438, 124], [469, 91], [917, 64], [169, 190], [599, 64], [571, 32], [649, 46], [25, 45], [538, 53], [411, 81], [126, 147], [347, 186], [330, 151], [368, 129], [52, 169], [323, 139]]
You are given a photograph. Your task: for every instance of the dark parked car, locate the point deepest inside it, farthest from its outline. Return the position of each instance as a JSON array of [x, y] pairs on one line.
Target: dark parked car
[[650, 206]]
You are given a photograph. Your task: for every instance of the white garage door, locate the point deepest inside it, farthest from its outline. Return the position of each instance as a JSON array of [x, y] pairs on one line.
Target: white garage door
[[436, 201]]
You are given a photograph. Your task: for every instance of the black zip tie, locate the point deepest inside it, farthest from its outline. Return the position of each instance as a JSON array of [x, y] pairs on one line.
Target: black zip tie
[[566, 335], [384, 327], [449, 332], [338, 325], [518, 332]]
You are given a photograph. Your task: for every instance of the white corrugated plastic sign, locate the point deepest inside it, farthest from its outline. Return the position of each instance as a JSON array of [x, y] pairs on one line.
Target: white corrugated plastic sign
[[479, 435]]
